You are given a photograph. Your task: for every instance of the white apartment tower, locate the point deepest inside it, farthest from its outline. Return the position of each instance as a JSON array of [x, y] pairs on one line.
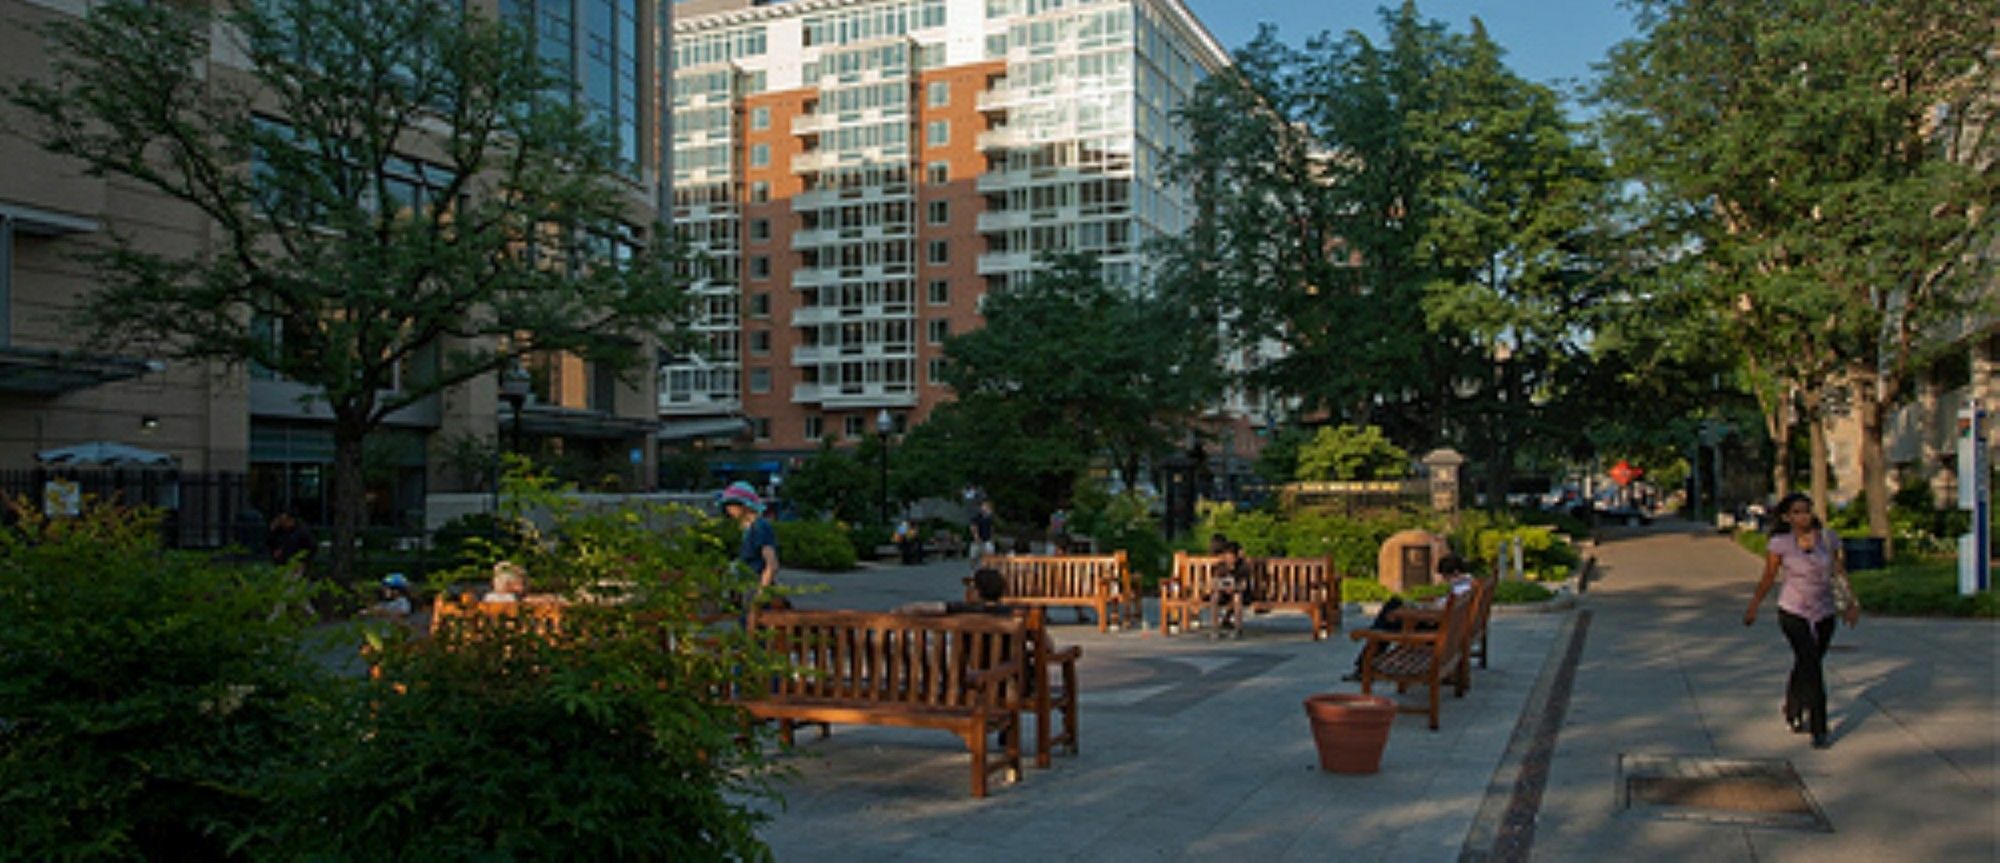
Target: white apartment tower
[[859, 173]]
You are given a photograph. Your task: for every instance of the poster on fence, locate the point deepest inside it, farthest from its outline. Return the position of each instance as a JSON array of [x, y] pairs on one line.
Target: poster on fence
[[62, 498]]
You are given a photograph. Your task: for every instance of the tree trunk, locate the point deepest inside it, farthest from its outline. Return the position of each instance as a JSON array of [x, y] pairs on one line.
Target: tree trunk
[[1816, 426], [1869, 408], [1778, 423], [350, 502]]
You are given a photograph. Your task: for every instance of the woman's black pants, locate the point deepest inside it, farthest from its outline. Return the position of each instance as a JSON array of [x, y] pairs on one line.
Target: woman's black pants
[[1805, 692]]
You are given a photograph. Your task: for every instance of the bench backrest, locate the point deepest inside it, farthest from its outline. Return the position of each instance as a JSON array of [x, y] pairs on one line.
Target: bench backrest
[[1294, 579], [467, 617], [1194, 575], [1456, 629], [1061, 576], [912, 659], [1483, 609]]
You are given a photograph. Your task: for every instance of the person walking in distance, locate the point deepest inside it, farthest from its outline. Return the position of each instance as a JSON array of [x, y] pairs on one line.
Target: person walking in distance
[[982, 532], [1814, 591], [759, 551]]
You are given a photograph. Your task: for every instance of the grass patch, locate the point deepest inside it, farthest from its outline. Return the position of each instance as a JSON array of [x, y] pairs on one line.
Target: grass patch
[[1521, 593], [1912, 586], [1925, 587]]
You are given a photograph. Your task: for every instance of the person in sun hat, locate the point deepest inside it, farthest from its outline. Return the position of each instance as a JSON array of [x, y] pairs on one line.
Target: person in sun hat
[[759, 551]]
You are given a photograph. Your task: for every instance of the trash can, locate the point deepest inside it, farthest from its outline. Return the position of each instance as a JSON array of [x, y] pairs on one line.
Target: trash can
[[1864, 552]]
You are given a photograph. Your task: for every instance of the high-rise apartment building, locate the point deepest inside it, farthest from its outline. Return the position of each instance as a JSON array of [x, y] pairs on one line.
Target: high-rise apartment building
[[860, 173]]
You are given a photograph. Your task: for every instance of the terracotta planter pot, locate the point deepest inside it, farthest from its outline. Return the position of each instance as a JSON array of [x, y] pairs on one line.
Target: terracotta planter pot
[[1350, 730]]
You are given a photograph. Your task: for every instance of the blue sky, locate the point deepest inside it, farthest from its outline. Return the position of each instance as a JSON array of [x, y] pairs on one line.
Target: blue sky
[[1551, 41]]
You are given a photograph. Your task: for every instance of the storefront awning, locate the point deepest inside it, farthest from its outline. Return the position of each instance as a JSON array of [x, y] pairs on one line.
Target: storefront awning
[[545, 421], [48, 372], [704, 429]]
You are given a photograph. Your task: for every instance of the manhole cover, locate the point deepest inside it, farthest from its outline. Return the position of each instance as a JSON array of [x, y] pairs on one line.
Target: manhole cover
[[1744, 792]]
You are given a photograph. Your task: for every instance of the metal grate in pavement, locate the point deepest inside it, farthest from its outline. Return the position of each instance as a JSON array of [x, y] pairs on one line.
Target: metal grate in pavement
[[1741, 792]]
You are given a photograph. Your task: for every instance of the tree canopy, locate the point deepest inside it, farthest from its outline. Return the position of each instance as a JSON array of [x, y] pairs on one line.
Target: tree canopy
[[402, 198]]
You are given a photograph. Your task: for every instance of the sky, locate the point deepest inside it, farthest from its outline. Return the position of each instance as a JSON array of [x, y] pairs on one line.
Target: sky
[[1550, 41]]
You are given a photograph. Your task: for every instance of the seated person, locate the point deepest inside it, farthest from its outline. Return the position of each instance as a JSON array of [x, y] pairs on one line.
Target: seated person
[[394, 600], [510, 583], [1232, 588], [1451, 570], [988, 584], [909, 542]]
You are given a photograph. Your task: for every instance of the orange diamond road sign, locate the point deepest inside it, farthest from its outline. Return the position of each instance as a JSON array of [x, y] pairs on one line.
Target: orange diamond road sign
[[1623, 473]]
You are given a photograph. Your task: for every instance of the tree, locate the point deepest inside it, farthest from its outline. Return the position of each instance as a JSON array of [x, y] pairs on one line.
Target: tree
[[1410, 221], [1068, 369], [400, 194], [1828, 165], [835, 484], [1351, 453]]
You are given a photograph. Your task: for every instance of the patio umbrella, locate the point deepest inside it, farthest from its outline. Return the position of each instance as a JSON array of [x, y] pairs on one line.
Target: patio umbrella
[[104, 454]]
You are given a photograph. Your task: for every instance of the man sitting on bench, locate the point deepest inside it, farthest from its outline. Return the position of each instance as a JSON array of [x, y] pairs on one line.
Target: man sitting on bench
[[988, 583], [1451, 569]]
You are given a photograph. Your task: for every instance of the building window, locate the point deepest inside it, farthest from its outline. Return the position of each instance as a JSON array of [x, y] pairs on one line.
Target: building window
[[938, 252], [940, 94], [937, 173], [938, 293], [760, 267], [760, 343], [760, 156], [761, 427], [760, 305], [937, 133], [936, 330], [940, 212], [760, 119], [760, 229], [815, 428], [937, 371], [760, 380], [854, 427], [760, 192]]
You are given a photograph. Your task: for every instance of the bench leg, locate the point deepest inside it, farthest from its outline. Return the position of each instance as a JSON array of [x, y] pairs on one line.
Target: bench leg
[[1435, 686], [1042, 716], [977, 742], [785, 735]]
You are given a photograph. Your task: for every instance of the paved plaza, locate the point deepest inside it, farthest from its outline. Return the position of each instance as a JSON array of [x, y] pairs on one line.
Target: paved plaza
[[1199, 750]]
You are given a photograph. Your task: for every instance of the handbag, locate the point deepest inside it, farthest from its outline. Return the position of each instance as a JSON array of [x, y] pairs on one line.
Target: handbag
[[1843, 592]]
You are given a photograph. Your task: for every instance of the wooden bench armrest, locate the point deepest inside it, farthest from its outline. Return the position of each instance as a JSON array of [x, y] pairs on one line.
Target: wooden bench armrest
[[987, 678], [1411, 616], [1068, 654]]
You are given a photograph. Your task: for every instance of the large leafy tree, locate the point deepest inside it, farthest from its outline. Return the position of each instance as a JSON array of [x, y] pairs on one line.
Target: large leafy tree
[[1068, 369], [1397, 217], [331, 264], [1828, 166]]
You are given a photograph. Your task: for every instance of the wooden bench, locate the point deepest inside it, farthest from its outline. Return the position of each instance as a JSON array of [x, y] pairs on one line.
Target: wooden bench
[[1101, 583], [1475, 644], [1307, 584], [468, 617], [962, 673], [1431, 658]]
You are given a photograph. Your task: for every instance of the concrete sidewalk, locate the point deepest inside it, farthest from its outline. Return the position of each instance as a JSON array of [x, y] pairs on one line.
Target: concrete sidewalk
[[1191, 749], [1669, 669]]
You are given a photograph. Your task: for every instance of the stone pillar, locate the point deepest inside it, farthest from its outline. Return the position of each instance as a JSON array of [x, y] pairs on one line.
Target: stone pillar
[[1444, 465]]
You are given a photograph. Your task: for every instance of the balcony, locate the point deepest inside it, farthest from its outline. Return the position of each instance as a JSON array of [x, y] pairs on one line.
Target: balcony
[[810, 355], [813, 124], [815, 161], [856, 395], [994, 221], [1003, 138], [996, 100], [995, 263]]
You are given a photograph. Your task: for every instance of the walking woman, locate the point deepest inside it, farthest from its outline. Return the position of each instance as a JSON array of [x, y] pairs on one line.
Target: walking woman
[[1815, 590]]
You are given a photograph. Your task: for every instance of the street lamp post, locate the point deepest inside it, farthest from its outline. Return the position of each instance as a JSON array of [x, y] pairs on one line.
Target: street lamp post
[[884, 424], [514, 388]]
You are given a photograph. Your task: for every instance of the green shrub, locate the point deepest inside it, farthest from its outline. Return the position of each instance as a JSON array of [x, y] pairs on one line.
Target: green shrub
[[865, 538], [1575, 527], [818, 545], [1351, 453], [1261, 533], [1123, 522], [1520, 592], [1755, 541], [604, 743], [1363, 590], [1545, 556], [144, 693]]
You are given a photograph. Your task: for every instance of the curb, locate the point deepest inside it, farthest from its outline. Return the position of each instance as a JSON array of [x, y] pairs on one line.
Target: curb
[[1504, 829]]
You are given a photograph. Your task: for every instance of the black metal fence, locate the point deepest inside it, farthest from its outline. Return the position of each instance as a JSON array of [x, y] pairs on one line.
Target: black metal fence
[[202, 510]]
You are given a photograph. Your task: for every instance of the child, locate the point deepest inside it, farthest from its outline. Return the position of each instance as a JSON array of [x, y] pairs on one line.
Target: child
[[393, 600], [510, 582]]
